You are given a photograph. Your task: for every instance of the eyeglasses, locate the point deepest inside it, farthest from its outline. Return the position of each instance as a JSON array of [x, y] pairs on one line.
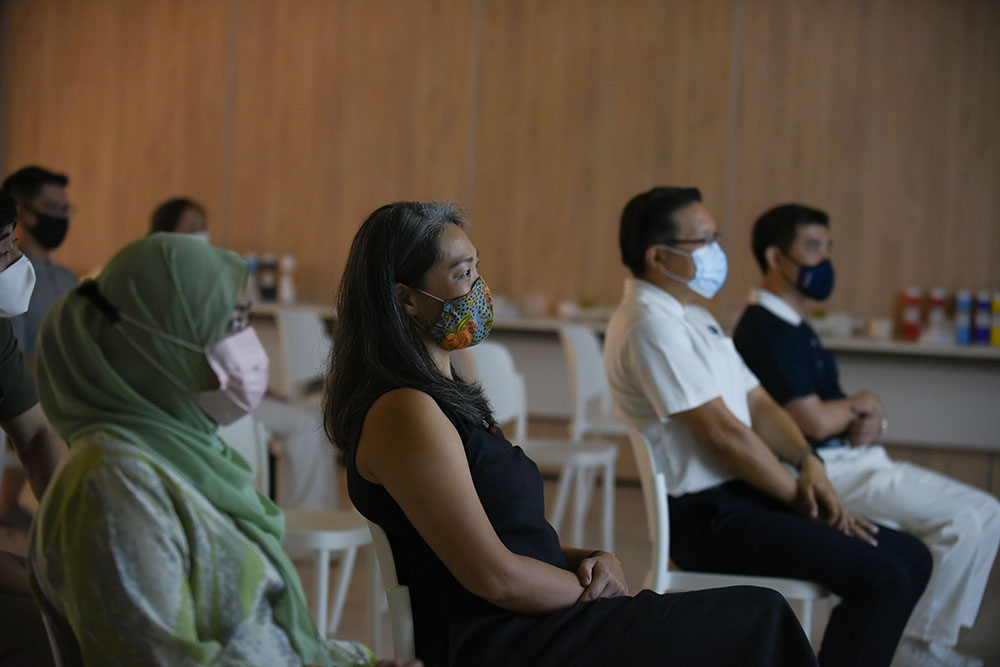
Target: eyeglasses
[[240, 318], [714, 238]]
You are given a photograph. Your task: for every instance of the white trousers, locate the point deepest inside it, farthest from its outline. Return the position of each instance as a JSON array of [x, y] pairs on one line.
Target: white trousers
[[307, 468], [958, 523]]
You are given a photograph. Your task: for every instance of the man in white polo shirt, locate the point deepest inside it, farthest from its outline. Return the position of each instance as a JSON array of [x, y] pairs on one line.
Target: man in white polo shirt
[[721, 440]]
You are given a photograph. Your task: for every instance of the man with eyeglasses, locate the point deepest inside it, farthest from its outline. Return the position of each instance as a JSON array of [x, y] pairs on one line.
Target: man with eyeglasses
[[721, 441], [42, 223], [960, 524]]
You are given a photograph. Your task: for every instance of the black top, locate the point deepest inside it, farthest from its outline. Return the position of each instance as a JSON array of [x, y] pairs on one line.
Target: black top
[[454, 627], [788, 360], [510, 488], [17, 388]]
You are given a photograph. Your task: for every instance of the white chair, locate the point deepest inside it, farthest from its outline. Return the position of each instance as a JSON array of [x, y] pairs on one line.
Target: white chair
[[3, 451], [593, 410], [662, 579], [492, 365], [397, 595], [299, 352], [322, 531], [304, 352]]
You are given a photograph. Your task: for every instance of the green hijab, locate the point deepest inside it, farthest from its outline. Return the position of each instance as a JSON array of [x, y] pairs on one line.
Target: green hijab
[[90, 379]]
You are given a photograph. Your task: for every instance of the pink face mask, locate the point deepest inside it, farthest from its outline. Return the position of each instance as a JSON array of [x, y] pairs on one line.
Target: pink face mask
[[240, 365], [239, 362]]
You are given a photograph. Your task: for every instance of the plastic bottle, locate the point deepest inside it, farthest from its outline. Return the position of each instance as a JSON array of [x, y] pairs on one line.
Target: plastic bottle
[[912, 298], [963, 317], [995, 329], [253, 293], [286, 278], [938, 332], [267, 279], [983, 318]]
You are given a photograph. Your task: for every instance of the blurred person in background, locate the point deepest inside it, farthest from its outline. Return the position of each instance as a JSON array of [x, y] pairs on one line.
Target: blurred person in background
[[44, 213], [22, 634], [180, 215]]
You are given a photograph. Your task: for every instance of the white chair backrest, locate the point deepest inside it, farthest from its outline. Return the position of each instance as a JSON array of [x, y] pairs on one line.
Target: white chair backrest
[[304, 347], [249, 437], [589, 384], [492, 366], [398, 596], [654, 492]]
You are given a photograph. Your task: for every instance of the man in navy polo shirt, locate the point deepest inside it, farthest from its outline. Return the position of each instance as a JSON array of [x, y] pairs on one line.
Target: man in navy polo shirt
[[960, 524]]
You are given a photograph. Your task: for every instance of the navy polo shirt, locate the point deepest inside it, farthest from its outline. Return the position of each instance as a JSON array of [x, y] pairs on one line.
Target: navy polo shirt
[[787, 359]]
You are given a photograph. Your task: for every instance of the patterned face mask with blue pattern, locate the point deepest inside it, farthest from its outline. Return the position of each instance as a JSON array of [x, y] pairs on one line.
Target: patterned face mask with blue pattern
[[464, 321]]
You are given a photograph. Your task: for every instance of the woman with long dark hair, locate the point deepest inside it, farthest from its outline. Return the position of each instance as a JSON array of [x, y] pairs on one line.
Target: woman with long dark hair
[[463, 509]]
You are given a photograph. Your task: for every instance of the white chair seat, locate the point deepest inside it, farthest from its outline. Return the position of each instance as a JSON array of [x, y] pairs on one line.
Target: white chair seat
[[792, 589], [605, 426], [549, 451], [326, 531]]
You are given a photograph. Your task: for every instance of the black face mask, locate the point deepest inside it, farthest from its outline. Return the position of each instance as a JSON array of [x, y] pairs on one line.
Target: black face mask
[[49, 230]]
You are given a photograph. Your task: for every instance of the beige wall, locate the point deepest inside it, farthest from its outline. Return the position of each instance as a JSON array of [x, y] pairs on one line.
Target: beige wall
[[292, 119]]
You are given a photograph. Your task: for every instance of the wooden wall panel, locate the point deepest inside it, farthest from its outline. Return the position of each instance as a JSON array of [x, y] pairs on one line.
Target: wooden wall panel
[[583, 105], [341, 107], [292, 119], [884, 114], [123, 97]]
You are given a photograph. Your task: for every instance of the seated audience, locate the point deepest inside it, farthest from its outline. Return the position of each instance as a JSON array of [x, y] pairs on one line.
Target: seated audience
[[22, 634], [720, 439], [463, 508], [960, 524], [180, 215], [151, 545], [43, 216]]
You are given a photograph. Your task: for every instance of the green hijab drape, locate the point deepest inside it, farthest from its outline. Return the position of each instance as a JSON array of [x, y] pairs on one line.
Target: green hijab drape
[[91, 379]]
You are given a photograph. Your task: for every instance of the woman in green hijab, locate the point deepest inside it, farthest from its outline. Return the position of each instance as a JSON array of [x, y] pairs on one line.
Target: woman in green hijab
[[152, 545]]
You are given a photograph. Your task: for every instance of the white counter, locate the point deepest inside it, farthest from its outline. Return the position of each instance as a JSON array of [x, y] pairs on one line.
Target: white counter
[[936, 396]]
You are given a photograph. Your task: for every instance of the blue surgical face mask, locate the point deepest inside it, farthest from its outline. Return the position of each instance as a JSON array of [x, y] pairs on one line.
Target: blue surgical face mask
[[710, 269], [815, 282]]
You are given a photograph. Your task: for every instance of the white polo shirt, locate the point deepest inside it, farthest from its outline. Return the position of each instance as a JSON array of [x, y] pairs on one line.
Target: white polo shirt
[[663, 357]]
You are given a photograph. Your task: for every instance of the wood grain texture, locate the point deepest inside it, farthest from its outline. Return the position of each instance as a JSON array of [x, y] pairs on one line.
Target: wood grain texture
[[293, 119], [341, 107], [885, 115], [583, 105], [124, 98]]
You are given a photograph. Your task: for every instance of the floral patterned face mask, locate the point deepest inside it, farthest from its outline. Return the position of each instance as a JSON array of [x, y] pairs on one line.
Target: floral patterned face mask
[[466, 320]]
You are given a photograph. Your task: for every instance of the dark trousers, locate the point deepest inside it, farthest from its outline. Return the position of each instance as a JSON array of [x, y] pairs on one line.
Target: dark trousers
[[734, 528], [23, 641]]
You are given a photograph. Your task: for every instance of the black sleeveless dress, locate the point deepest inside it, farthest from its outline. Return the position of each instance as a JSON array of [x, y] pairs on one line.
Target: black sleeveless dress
[[733, 626]]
